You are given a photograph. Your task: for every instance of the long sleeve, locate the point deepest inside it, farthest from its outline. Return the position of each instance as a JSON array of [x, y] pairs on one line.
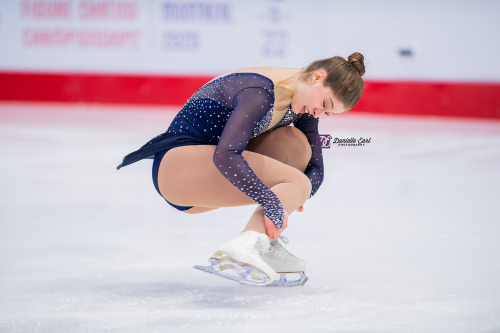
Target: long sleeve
[[314, 171], [250, 106]]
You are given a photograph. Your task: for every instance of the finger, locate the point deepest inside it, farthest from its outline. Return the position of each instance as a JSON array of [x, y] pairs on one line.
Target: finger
[[271, 230]]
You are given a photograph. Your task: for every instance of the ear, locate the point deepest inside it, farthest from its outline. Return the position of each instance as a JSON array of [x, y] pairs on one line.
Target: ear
[[318, 76]]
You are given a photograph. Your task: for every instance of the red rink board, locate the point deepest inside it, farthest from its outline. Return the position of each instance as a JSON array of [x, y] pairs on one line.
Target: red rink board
[[461, 99]]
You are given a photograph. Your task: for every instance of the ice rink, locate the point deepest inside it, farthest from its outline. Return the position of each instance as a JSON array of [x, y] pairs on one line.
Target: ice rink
[[403, 236]]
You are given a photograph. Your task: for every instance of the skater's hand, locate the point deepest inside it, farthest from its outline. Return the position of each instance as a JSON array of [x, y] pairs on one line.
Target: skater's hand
[[272, 231], [300, 209]]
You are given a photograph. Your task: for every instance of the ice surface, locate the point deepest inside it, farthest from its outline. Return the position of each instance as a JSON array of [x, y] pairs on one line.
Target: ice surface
[[405, 238]]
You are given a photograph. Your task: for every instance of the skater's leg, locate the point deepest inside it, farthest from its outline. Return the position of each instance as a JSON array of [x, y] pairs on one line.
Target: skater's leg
[[188, 177], [285, 144]]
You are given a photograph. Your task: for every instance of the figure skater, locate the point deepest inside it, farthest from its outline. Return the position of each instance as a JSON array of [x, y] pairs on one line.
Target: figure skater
[[230, 145]]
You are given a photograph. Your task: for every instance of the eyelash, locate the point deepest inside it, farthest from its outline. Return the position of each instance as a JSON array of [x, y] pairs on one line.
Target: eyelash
[[327, 113]]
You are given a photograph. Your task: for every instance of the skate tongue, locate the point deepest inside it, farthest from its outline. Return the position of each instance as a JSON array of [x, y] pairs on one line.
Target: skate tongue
[[262, 240], [264, 243]]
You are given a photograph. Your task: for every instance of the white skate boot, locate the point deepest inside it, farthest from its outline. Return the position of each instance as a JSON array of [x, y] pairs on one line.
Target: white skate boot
[[241, 260], [286, 264]]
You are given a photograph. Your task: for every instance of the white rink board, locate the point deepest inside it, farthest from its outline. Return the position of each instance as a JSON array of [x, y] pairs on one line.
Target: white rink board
[[405, 234], [448, 40]]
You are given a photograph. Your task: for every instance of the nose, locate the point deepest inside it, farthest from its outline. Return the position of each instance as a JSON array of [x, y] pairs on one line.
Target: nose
[[318, 112]]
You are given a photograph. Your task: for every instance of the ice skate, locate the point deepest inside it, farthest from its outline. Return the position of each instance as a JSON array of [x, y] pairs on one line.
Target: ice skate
[[241, 260], [286, 264]]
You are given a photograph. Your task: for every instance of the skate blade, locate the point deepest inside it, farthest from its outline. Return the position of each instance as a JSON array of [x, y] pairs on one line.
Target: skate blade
[[285, 282], [226, 267]]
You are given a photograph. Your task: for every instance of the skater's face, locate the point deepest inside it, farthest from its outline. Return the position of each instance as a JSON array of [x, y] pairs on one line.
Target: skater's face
[[314, 98]]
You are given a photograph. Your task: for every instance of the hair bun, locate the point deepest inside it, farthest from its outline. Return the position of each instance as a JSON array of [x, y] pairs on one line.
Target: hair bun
[[356, 60]]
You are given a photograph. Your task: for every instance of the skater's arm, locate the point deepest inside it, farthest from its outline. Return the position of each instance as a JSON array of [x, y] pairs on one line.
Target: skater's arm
[[314, 171], [250, 106]]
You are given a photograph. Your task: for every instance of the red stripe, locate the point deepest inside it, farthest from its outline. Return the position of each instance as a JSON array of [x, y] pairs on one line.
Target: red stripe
[[432, 98], [127, 89], [398, 97]]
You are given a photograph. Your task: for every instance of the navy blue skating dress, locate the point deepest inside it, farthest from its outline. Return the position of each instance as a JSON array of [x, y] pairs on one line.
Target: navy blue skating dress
[[228, 112]]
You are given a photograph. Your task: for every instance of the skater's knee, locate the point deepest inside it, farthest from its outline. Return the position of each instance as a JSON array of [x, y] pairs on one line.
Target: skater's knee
[[294, 138], [307, 186], [300, 149], [297, 147], [286, 144], [303, 184], [298, 141]]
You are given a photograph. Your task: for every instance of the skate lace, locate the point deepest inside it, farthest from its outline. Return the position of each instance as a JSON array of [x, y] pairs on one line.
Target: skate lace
[[284, 239], [279, 250]]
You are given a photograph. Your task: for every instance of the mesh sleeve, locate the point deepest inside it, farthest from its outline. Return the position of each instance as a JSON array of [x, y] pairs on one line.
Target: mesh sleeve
[[250, 106], [314, 171]]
